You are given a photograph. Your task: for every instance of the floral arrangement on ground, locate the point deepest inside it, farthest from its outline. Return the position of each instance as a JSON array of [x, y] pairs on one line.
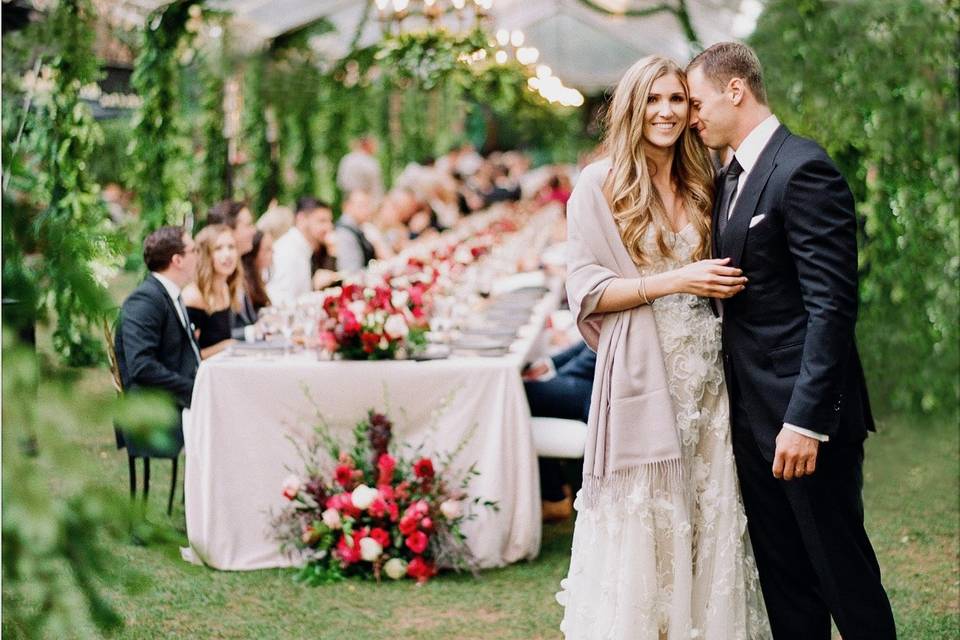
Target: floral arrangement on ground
[[376, 513]]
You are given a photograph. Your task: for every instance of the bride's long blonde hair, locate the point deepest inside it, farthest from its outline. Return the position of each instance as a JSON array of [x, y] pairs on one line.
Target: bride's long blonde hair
[[634, 200]]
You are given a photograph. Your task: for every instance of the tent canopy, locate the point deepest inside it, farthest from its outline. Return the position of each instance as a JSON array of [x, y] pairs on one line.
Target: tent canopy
[[587, 47]]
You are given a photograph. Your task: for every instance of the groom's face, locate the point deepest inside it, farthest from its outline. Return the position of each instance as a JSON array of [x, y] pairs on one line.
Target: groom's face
[[712, 114]]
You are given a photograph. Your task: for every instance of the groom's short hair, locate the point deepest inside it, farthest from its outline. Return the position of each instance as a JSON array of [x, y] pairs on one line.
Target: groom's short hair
[[724, 61]]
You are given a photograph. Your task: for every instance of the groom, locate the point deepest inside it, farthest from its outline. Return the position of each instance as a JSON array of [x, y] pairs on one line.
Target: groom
[[799, 408]]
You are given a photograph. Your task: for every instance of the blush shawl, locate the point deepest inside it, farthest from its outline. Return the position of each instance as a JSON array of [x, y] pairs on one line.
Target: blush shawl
[[632, 432]]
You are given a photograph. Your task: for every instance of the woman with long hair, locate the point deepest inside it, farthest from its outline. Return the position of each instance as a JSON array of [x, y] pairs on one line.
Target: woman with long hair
[[256, 262], [216, 293], [660, 549]]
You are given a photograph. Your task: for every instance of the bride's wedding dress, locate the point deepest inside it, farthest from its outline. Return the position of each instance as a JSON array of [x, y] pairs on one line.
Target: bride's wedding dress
[[652, 566]]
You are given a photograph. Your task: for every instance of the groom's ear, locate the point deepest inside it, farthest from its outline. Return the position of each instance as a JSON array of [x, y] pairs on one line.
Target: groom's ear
[[736, 87]]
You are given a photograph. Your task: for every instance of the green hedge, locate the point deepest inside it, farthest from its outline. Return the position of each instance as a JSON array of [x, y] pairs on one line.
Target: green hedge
[[875, 83]]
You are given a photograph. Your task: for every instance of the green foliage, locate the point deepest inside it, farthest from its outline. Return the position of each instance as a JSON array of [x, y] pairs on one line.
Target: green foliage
[[875, 82], [55, 231], [262, 184], [214, 183], [61, 523], [159, 148]]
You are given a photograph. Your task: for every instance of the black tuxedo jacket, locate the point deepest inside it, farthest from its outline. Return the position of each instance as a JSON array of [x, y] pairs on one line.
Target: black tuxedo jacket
[[788, 338], [153, 350]]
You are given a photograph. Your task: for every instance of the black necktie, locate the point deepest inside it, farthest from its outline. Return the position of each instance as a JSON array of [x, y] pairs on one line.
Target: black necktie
[[730, 177], [186, 325]]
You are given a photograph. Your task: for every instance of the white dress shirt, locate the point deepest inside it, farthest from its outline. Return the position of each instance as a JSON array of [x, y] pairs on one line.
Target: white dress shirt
[[349, 251], [290, 272], [747, 155], [173, 290]]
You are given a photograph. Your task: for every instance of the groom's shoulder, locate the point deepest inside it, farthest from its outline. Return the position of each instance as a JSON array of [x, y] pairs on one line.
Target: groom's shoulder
[[797, 150]]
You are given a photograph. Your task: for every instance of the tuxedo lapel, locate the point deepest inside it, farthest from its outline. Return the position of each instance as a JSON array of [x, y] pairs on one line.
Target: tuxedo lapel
[[162, 291], [735, 234]]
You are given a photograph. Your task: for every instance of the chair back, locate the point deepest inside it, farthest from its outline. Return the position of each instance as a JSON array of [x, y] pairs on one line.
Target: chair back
[[108, 335]]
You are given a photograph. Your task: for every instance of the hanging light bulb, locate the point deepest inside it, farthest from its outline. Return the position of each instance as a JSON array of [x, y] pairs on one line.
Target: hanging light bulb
[[400, 6], [382, 4], [516, 38], [501, 57], [543, 71], [459, 4], [503, 37]]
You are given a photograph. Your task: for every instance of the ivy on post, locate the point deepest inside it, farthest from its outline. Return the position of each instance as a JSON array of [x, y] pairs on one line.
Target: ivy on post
[[49, 252], [158, 147], [262, 184], [216, 184]]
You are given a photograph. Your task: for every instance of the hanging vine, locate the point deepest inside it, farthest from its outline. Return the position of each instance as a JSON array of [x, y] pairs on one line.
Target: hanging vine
[[159, 149], [55, 228], [215, 184]]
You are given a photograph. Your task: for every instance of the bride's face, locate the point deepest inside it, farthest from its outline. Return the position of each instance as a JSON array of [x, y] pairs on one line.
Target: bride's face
[[666, 114]]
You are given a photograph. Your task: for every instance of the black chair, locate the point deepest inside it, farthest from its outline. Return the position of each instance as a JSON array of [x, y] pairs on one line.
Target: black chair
[[122, 442]]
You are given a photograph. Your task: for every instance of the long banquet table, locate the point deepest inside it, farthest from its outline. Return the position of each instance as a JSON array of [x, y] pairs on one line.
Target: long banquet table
[[248, 413]]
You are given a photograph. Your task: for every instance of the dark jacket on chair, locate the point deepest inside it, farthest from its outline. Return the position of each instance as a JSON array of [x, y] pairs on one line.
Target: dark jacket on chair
[[154, 352]]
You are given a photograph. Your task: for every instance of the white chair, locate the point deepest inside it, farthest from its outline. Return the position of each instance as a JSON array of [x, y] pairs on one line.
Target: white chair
[[559, 438]]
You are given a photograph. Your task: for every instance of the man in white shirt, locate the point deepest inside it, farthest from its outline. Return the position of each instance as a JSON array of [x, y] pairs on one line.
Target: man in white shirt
[[290, 275], [359, 170]]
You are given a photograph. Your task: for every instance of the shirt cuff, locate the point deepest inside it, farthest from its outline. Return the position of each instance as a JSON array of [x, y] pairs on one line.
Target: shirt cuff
[[806, 432]]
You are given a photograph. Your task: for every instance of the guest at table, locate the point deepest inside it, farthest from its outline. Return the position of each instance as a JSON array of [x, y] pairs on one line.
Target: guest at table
[[354, 249], [237, 216], [359, 170], [256, 269], [559, 387], [154, 346], [290, 275], [216, 293], [276, 220]]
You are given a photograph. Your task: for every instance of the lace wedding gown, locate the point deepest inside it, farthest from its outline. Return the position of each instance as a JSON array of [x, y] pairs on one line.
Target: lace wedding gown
[[657, 567]]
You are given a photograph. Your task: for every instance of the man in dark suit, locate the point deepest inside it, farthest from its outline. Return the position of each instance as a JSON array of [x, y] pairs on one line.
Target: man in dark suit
[[154, 344], [799, 408], [559, 387]]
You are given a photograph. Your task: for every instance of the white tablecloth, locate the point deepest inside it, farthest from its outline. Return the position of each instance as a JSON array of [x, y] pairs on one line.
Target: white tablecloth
[[245, 411]]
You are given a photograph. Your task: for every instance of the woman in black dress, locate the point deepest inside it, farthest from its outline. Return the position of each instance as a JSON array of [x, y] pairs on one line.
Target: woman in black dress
[[216, 293]]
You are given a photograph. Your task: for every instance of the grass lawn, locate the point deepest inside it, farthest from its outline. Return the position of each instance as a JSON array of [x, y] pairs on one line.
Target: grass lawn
[[912, 515]]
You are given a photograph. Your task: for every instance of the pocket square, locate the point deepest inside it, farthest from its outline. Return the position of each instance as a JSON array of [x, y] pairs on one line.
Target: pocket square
[[755, 220]]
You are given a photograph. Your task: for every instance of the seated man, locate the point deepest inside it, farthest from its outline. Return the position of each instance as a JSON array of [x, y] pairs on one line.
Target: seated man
[[559, 387], [354, 250], [290, 276], [154, 345]]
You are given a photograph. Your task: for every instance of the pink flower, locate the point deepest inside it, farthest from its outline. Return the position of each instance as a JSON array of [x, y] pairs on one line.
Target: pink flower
[[394, 511], [426, 524], [386, 492], [377, 508], [417, 541], [349, 321], [386, 465], [408, 525], [369, 341], [348, 552], [328, 341]]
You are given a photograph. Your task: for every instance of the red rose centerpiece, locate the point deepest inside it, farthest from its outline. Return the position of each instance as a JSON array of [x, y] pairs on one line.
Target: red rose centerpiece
[[375, 513]]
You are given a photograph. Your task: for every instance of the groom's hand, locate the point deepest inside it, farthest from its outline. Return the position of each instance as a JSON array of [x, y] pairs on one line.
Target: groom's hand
[[796, 455]]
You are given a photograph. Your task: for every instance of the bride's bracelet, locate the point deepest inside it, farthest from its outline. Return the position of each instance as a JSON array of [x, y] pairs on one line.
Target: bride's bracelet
[[642, 290]]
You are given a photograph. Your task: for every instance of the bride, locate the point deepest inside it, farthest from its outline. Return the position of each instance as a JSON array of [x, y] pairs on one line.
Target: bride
[[660, 548]]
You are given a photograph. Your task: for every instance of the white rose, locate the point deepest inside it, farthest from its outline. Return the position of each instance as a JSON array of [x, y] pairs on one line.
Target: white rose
[[396, 326], [399, 299], [370, 549], [291, 487], [363, 496], [395, 568], [451, 509], [331, 518], [358, 308]]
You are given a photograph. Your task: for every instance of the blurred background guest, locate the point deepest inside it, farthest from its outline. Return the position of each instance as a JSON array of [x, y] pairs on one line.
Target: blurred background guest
[[559, 387], [360, 169], [290, 274], [276, 220], [256, 269], [216, 292], [354, 249]]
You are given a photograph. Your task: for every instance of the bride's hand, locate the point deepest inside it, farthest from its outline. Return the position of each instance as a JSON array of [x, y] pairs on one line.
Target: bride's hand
[[710, 279]]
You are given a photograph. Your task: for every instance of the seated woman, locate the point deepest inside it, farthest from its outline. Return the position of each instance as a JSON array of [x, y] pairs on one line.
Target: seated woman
[[216, 292], [256, 263]]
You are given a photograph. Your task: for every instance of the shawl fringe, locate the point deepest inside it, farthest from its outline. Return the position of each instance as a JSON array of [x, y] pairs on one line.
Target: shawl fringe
[[663, 476]]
